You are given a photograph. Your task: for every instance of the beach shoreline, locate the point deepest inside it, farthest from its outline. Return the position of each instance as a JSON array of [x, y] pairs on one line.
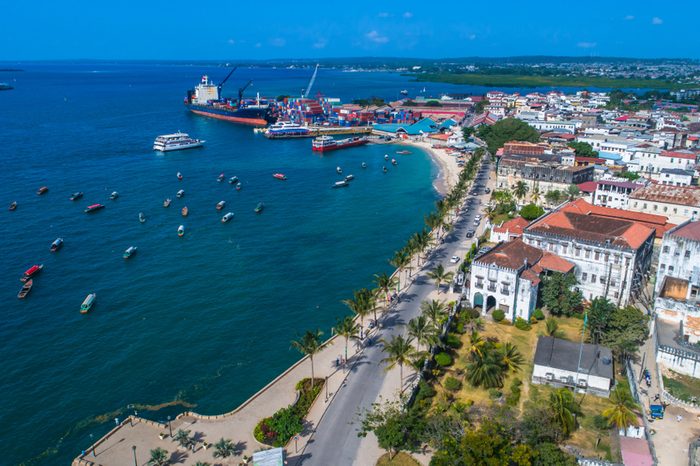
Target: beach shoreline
[[448, 170]]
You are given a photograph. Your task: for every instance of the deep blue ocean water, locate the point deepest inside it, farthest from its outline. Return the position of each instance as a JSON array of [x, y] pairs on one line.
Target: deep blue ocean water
[[206, 319]]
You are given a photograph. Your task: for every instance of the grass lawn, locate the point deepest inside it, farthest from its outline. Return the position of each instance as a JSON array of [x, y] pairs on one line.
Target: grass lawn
[[401, 459], [682, 386]]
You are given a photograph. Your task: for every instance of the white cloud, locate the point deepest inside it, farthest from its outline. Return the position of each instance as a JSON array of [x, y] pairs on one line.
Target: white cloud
[[629, 18], [377, 38], [586, 45], [320, 43], [656, 20], [231, 42], [384, 14], [278, 42], [408, 15]]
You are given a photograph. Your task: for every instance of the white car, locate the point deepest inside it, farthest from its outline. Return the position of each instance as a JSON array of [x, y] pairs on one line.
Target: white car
[[454, 259]]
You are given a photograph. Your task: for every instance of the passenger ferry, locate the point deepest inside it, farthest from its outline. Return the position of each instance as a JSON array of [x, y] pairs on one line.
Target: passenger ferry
[[287, 129], [176, 141], [327, 143]]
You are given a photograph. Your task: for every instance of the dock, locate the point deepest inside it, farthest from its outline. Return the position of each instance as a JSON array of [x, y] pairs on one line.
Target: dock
[[315, 131]]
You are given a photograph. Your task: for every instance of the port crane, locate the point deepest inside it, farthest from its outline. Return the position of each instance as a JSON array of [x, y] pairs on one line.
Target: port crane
[[242, 89], [221, 84]]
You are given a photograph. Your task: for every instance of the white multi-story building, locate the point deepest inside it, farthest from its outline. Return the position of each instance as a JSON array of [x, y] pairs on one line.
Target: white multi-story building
[[673, 177], [570, 126], [678, 203], [650, 159], [612, 145], [614, 194]]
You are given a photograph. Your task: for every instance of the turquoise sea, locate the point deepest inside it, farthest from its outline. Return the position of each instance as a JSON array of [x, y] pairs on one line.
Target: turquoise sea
[[202, 321]]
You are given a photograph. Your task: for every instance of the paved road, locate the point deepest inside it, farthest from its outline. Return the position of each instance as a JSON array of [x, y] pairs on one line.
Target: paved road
[[336, 441]]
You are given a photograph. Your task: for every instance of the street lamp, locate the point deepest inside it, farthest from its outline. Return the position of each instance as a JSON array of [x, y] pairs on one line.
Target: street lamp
[[134, 449], [170, 427]]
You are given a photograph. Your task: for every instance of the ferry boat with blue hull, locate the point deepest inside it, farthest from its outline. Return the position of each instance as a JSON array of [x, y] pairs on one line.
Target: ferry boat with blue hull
[[206, 100]]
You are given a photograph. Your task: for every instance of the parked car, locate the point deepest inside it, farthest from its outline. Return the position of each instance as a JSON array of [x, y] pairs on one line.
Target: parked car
[[470, 233], [487, 190], [656, 411], [460, 279], [454, 259]]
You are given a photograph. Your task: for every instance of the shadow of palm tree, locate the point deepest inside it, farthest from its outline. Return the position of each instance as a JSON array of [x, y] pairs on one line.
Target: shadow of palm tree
[[239, 448], [178, 457], [198, 436]]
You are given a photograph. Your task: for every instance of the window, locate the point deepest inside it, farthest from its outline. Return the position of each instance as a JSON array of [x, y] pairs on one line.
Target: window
[[670, 268], [602, 280], [479, 284], [492, 286], [597, 255], [616, 295], [578, 252], [613, 282], [662, 267], [505, 289], [584, 276], [593, 278], [666, 249], [588, 253]]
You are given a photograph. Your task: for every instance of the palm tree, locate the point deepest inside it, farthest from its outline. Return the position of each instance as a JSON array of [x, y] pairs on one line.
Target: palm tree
[[622, 413], [309, 344], [399, 351], [562, 404], [551, 326], [183, 438], [359, 306], [435, 311], [348, 329], [511, 359], [520, 190], [384, 283], [440, 275], [485, 370], [433, 222], [422, 330], [476, 345], [159, 457], [535, 194], [202, 463], [401, 260], [224, 448]]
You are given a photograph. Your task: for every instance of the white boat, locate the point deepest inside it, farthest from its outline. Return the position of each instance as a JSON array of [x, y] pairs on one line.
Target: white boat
[[227, 217], [338, 170], [181, 231], [87, 303], [341, 184], [364, 164], [349, 177], [386, 156], [142, 218], [180, 193], [283, 129], [114, 195], [130, 251], [176, 141]]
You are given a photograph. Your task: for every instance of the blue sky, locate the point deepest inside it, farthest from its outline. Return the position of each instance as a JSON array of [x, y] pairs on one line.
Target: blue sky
[[225, 29]]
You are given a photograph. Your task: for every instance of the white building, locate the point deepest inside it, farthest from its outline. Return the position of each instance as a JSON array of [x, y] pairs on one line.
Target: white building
[[615, 194], [678, 203], [557, 364], [673, 177], [570, 126]]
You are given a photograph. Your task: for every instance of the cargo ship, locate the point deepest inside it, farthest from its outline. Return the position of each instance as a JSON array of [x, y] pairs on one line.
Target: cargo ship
[[327, 143], [206, 100]]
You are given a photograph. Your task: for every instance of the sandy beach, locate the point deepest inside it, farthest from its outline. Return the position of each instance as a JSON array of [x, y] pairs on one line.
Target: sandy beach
[[447, 164]]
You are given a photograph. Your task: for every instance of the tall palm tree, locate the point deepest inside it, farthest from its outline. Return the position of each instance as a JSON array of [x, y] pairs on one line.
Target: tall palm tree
[[433, 221], [359, 305], [348, 329], [159, 457], [183, 438], [440, 275], [622, 413], [520, 190], [535, 194], [485, 370], [476, 345], [224, 448], [309, 344], [399, 352], [564, 408], [422, 330], [401, 260], [384, 283], [435, 311], [511, 359]]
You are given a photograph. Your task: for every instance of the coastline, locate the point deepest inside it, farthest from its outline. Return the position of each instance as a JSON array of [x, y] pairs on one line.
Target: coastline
[[448, 170]]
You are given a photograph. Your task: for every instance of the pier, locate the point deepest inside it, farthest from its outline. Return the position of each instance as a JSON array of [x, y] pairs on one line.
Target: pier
[[315, 131]]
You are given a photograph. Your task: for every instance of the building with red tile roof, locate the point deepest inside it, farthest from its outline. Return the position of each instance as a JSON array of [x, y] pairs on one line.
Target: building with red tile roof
[[679, 203], [509, 230]]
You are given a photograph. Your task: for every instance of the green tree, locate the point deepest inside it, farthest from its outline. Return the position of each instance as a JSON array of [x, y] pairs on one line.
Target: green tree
[[309, 344], [629, 175], [511, 359], [565, 409], [361, 304], [422, 330], [549, 454], [440, 275], [384, 283], [626, 329], [401, 260], [599, 312], [224, 448], [183, 438], [622, 413], [531, 212], [535, 194], [159, 457], [476, 345], [480, 106], [347, 328], [573, 191], [583, 149], [396, 428], [554, 197], [485, 370], [559, 296], [508, 129], [551, 326], [435, 311], [399, 352], [520, 190]]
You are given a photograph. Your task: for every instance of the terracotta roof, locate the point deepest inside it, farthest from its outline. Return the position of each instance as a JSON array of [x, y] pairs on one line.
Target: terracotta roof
[[690, 230], [588, 186], [553, 263], [680, 195], [685, 154], [511, 255], [514, 226], [622, 233]]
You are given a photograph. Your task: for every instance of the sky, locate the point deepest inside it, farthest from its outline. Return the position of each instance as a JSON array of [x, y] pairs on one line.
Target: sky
[[235, 29]]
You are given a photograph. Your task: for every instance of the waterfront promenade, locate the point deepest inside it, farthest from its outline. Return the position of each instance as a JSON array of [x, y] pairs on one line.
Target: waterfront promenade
[[330, 435]]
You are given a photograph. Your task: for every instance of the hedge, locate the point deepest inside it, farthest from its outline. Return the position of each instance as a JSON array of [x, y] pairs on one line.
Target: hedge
[[498, 315], [443, 359]]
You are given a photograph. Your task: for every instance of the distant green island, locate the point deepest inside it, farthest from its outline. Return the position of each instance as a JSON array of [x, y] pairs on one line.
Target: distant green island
[[515, 80]]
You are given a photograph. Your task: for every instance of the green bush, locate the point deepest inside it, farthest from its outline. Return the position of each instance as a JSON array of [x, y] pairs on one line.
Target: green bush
[[425, 392], [443, 359], [600, 422], [522, 324], [453, 341], [495, 393], [533, 320], [513, 398], [452, 384], [498, 315], [539, 315], [531, 212]]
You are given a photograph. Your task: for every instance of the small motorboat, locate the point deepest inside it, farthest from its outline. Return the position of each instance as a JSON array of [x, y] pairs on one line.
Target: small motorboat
[[338, 170], [259, 208], [114, 195], [403, 152], [56, 245], [227, 217], [386, 156], [166, 203], [220, 178], [238, 186], [181, 231], [87, 303], [26, 288], [13, 206], [185, 211], [94, 208], [130, 251], [142, 218], [42, 190], [31, 271], [404, 92], [220, 205], [349, 177], [341, 184], [280, 176], [364, 165], [75, 196], [180, 193], [233, 180], [179, 176], [384, 169], [394, 162]]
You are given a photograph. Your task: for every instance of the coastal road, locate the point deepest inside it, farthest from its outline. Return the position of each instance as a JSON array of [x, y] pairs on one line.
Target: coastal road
[[335, 441]]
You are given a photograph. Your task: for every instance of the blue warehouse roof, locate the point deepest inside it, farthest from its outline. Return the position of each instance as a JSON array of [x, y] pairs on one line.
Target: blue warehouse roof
[[426, 125]]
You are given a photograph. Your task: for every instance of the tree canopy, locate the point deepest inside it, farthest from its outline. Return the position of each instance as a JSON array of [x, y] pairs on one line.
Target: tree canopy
[[508, 129], [531, 212], [583, 149], [559, 296]]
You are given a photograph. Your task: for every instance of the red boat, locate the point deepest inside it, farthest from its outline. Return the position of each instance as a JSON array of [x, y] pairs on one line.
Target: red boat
[[94, 207], [326, 143], [31, 271], [280, 176]]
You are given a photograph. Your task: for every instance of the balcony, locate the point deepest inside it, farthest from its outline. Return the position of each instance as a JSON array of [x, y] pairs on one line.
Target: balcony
[[491, 288]]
